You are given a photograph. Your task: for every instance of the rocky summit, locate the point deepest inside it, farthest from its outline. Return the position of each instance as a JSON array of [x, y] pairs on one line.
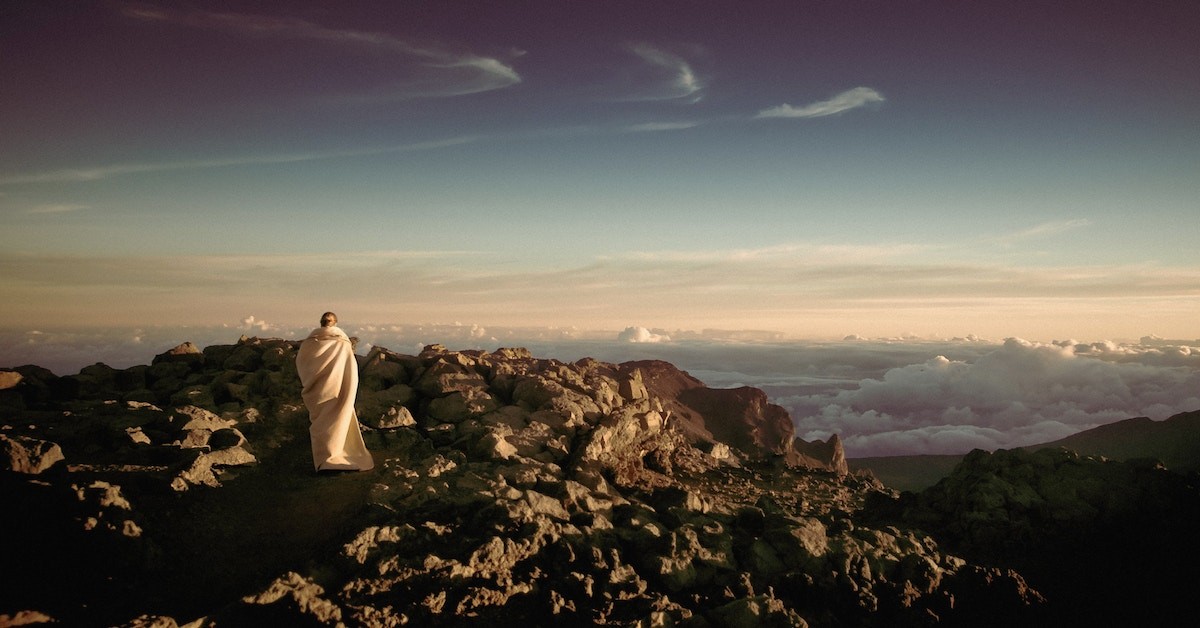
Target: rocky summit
[[508, 491]]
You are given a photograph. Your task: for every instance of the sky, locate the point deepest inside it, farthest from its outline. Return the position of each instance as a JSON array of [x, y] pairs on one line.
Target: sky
[[816, 169], [922, 225]]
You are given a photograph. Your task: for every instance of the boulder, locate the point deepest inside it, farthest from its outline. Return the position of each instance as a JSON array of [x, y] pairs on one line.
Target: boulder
[[495, 446], [756, 611], [226, 438], [244, 358], [459, 406], [23, 454], [445, 376], [195, 418], [298, 596], [204, 468], [382, 369], [9, 379], [632, 388], [186, 353], [396, 417], [26, 618]]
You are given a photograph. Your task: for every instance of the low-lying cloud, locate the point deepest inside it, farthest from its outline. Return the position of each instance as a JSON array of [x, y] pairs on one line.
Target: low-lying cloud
[[641, 334], [1019, 393], [881, 396]]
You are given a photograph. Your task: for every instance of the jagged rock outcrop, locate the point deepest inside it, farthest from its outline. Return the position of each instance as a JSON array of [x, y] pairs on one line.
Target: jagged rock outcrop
[[742, 418], [509, 490]]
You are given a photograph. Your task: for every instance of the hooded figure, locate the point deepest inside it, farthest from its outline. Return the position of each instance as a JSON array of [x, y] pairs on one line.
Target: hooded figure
[[329, 374]]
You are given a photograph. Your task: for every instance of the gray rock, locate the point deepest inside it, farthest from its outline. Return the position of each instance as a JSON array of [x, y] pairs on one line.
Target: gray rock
[[756, 612], [459, 406], [23, 454], [300, 595], [26, 618], [186, 353], [494, 446], [396, 416], [226, 438], [445, 376], [9, 379], [197, 418], [195, 395], [580, 502], [244, 358], [632, 388], [203, 470]]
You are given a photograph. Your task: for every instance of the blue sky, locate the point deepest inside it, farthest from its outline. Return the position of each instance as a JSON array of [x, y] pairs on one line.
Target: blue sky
[[818, 169]]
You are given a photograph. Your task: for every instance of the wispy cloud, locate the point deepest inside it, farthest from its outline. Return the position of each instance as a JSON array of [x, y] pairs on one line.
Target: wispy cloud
[[652, 127], [455, 72], [96, 173], [56, 208], [1044, 229], [679, 81], [806, 252], [797, 293], [845, 101]]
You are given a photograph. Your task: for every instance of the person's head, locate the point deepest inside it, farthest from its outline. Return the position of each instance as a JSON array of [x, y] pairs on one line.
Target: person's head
[[328, 319]]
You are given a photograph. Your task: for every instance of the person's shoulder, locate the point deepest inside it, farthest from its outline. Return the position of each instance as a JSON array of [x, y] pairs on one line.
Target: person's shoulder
[[327, 333]]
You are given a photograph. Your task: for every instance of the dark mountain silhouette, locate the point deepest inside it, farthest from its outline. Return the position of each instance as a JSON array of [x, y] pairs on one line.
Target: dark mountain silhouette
[[1175, 442]]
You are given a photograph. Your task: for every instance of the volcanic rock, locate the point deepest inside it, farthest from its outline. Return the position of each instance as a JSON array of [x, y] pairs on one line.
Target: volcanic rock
[[22, 454], [508, 491]]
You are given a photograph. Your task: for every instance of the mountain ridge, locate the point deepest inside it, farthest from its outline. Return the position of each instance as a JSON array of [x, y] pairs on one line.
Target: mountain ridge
[[1174, 441]]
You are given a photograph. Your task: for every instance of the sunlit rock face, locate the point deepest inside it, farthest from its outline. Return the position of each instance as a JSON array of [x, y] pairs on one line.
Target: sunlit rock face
[[509, 490]]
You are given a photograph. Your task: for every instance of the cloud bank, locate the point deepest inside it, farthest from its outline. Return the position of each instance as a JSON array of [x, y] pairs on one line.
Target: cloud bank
[[845, 101], [1019, 393], [881, 396], [641, 334]]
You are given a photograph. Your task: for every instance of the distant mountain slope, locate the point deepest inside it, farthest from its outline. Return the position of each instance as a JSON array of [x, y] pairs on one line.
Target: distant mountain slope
[[1174, 441], [907, 473]]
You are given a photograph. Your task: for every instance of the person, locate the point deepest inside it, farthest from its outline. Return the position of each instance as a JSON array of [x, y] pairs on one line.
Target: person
[[329, 376]]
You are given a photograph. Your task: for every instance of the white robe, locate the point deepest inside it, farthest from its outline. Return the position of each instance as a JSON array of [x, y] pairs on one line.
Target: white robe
[[329, 374]]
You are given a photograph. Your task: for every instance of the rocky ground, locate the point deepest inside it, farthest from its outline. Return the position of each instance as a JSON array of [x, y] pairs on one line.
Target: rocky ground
[[511, 490]]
